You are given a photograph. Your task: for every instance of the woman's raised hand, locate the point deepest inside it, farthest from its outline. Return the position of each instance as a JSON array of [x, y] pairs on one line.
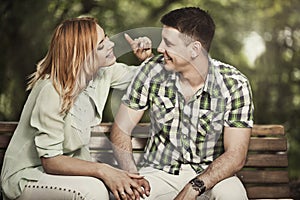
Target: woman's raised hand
[[141, 46]]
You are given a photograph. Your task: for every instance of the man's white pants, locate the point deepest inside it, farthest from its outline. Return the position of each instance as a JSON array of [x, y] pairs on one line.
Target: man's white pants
[[165, 186]]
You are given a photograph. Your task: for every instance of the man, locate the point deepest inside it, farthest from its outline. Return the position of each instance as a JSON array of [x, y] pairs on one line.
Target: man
[[201, 113]]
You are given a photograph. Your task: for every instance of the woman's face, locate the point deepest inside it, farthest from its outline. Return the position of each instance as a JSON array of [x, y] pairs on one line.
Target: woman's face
[[104, 49]]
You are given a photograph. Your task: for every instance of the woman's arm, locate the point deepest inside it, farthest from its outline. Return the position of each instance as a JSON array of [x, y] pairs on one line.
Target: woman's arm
[[117, 180]]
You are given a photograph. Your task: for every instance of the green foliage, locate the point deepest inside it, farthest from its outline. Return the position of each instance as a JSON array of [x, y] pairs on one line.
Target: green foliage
[[26, 27]]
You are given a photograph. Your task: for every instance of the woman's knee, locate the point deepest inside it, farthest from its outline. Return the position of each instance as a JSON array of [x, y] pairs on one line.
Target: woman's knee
[[93, 188], [66, 187]]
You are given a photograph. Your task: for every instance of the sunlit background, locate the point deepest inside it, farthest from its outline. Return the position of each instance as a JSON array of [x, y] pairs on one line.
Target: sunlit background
[[261, 38]]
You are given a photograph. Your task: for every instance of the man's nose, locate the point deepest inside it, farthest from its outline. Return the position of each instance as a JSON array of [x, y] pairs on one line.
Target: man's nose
[[161, 48]]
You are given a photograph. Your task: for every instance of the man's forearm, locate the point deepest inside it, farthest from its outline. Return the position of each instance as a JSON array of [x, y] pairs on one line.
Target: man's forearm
[[236, 142], [223, 167], [122, 146]]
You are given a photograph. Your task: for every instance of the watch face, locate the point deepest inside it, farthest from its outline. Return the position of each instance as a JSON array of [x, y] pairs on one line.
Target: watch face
[[198, 182], [198, 185]]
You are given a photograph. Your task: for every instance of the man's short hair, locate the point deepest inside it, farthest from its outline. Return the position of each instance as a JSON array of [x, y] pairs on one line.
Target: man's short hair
[[193, 22]]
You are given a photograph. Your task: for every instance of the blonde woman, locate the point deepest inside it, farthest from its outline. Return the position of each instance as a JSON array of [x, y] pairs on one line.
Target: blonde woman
[[48, 156]]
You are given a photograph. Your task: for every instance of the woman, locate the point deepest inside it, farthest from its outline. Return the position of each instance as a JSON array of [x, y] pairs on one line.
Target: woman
[[48, 156]]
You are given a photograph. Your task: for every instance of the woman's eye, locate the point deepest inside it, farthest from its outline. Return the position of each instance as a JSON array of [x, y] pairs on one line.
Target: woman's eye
[[100, 47]]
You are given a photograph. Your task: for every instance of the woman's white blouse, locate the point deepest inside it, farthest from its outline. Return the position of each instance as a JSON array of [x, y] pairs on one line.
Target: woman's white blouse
[[43, 131]]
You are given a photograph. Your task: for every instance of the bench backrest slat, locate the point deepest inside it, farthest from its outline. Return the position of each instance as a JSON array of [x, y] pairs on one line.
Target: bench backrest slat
[[267, 160], [270, 129], [4, 141], [262, 176], [7, 127], [268, 144]]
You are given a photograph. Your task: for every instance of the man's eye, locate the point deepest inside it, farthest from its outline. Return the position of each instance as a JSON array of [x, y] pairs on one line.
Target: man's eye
[[168, 43]]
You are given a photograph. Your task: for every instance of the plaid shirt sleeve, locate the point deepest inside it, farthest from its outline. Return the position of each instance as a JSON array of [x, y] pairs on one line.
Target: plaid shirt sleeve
[[239, 109], [137, 93]]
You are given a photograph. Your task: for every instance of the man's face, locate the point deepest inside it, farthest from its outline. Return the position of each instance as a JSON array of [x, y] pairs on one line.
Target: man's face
[[177, 54]]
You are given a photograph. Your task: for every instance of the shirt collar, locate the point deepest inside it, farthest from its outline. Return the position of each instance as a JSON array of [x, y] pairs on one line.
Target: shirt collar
[[211, 85], [209, 78]]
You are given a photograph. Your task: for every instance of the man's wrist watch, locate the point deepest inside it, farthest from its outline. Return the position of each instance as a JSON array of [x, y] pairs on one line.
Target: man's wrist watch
[[198, 185]]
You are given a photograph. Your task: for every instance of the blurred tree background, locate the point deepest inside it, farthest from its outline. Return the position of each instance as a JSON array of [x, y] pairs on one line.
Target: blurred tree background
[[261, 38]]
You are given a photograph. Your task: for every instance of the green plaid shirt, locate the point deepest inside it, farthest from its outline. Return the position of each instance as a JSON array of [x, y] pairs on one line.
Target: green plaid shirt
[[189, 132]]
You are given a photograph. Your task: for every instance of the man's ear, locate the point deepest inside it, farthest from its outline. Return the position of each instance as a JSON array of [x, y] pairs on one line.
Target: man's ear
[[196, 49]]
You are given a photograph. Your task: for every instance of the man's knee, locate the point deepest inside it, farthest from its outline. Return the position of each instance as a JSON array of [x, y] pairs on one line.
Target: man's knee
[[229, 189]]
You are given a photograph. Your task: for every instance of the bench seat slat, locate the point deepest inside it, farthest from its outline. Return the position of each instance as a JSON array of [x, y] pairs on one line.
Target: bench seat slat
[[268, 192]]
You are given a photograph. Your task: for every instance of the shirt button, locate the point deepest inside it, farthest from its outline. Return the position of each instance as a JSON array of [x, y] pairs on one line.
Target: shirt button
[[187, 110]]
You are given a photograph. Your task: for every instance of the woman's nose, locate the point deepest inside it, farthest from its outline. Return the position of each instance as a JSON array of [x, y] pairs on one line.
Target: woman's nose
[[111, 43]]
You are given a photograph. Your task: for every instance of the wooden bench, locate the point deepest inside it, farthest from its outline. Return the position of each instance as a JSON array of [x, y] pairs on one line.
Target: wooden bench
[[265, 174]]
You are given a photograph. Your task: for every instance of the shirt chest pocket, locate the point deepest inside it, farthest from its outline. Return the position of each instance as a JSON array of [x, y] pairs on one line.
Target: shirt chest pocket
[[77, 133], [83, 132], [164, 109], [82, 116], [210, 122], [75, 137]]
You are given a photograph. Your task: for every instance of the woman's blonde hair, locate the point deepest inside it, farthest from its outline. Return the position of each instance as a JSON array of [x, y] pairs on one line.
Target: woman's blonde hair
[[70, 62]]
